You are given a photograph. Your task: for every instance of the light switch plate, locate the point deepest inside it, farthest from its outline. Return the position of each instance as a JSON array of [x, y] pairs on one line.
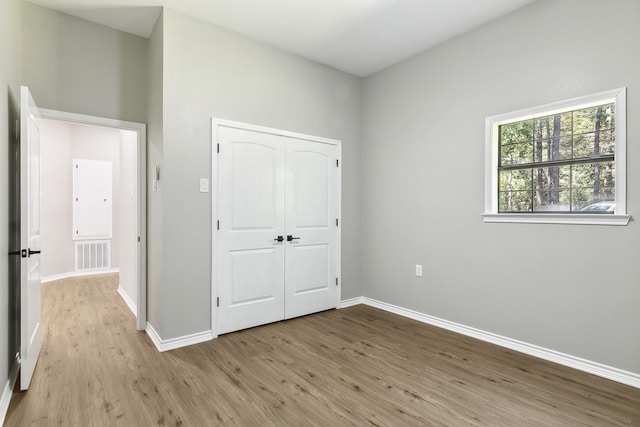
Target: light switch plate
[[418, 270], [204, 185]]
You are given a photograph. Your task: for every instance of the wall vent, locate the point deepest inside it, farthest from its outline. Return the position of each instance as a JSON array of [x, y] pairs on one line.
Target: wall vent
[[93, 255]]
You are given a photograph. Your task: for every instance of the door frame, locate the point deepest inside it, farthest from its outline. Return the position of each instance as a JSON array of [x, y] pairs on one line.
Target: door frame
[[141, 223], [217, 122]]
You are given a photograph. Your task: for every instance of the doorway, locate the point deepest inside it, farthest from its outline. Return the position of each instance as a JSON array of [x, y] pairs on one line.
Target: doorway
[[122, 146]]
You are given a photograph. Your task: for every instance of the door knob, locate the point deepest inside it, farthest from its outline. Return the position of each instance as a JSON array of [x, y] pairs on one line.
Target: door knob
[[279, 239], [33, 252], [291, 238]]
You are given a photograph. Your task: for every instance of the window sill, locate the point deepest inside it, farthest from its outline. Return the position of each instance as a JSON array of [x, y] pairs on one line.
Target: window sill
[[575, 219]]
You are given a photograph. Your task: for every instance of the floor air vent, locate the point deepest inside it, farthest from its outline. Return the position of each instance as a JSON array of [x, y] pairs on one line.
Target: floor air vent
[[93, 255]]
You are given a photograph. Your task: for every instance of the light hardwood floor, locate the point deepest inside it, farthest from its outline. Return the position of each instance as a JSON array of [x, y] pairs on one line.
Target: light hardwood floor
[[356, 366]]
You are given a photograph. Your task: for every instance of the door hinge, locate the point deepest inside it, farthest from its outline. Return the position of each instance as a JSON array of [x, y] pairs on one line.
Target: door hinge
[[218, 148], [337, 163], [218, 224], [336, 281], [337, 222], [218, 302], [138, 239], [76, 166]]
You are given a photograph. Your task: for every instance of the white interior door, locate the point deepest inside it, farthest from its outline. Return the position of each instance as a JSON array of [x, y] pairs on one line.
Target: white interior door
[[250, 258], [30, 340], [92, 199], [312, 231]]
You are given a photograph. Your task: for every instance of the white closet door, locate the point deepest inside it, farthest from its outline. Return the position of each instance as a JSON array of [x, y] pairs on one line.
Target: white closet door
[[92, 199], [251, 213], [312, 209]]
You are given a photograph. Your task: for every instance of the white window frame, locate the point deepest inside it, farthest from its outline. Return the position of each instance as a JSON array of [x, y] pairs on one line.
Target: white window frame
[[619, 217]]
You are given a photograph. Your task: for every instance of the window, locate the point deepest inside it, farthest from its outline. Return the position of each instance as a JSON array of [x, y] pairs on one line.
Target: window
[[558, 163]]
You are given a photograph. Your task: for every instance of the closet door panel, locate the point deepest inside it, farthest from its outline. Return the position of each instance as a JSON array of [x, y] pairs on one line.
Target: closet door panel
[[311, 212], [250, 260]]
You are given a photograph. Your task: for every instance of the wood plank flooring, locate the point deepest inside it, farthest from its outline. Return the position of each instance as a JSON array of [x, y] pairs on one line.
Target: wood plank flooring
[[352, 367]]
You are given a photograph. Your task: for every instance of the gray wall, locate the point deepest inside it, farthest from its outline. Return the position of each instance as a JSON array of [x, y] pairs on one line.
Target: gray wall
[[154, 158], [211, 72], [423, 184], [9, 86], [77, 66]]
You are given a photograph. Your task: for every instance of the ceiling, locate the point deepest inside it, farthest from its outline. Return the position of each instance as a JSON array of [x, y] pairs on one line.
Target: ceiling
[[360, 37]]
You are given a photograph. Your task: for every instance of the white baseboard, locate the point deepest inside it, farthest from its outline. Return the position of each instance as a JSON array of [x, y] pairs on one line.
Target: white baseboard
[[173, 343], [351, 301], [5, 400], [61, 276], [127, 300], [595, 368]]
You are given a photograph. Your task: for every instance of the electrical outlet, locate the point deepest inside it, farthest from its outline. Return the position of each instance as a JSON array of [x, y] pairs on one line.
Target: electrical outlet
[[418, 270]]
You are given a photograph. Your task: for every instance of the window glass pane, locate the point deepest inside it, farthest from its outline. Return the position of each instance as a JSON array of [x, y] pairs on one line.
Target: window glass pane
[[554, 177], [516, 132], [545, 150], [516, 154], [609, 116], [515, 201], [552, 200], [583, 200], [593, 119], [515, 180], [515, 191], [583, 146], [607, 142], [600, 176], [551, 188], [550, 126]]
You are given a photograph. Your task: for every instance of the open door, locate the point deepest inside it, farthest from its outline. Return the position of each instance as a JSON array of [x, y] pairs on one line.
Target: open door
[[30, 340]]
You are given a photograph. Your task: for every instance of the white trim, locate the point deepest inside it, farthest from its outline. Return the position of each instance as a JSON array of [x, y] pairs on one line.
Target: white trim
[[575, 219], [5, 400], [127, 300], [215, 122], [339, 231], [351, 302], [178, 342], [619, 96], [141, 256], [625, 377], [93, 120], [61, 276]]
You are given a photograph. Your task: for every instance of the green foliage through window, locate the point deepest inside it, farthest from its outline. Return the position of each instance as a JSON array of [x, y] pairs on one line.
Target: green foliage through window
[[563, 162]]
